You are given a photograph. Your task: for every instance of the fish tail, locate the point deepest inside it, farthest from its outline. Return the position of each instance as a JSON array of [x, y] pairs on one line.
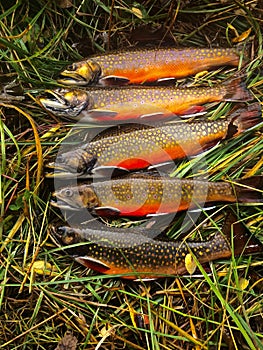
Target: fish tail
[[244, 118], [249, 190], [236, 90], [236, 232]]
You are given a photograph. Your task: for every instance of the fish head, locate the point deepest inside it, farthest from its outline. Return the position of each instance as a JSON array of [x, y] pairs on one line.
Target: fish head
[[66, 103], [81, 73], [75, 197], [65, 235], [77, 162]]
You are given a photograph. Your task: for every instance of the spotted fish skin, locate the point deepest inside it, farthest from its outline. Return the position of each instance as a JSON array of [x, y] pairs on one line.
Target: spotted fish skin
[[97, 105], [137, 147], [135, 255], [143, 195], [139, 66]]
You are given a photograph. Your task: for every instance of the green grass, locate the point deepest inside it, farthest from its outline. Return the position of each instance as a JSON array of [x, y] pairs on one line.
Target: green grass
[[217, 311]]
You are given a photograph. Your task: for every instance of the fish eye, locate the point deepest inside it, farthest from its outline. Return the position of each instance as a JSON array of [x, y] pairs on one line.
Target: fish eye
[[68, 192], [60, 159], [72, 67], [61, 230]]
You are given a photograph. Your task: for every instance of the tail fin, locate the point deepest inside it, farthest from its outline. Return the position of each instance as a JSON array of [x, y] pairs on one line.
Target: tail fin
[[244, 242], [236, 90], [243, 118], [249, 190]]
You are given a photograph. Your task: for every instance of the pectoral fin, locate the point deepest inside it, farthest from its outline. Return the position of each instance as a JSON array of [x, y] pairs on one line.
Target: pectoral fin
[[162, 167], [92, 263], [161, 80], [200, 210], [152, 115], [154, 215], [102, 113], [114, 80], [109, 171], [194, 110], [107, 211]]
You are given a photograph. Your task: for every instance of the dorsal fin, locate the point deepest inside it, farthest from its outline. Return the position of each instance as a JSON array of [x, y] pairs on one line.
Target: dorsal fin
[[120, 130]]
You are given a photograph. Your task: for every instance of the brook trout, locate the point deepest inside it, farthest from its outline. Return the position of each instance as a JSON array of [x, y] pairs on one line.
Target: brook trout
[[146, 195], [131, 147], [140, 66], [134, 255], [100, 105]]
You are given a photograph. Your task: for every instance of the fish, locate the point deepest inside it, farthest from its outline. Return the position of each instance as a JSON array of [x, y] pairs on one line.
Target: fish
[[114, 104], [132, 254], [140, 66], [138, 146], [146, 195]]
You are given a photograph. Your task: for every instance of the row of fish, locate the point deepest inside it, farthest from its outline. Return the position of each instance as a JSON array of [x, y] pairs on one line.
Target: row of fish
[[112, 104], [130, 147]]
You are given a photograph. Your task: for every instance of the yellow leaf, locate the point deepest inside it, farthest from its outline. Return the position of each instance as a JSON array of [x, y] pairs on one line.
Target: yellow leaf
[[103, 331], [243, 283], [190, 264], [242, 36], [42, 267], [137, 12]]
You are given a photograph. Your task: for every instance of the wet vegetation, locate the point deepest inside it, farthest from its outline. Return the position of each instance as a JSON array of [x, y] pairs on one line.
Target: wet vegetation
[[43, 292]]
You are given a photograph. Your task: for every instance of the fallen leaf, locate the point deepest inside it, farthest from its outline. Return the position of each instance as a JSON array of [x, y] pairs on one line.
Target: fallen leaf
[[42, 267], [137, 12], [68, 342], [243, 283], [190, 264], [64, 4], [242, 36]]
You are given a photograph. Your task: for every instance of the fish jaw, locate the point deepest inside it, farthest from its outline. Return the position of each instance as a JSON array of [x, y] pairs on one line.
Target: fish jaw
[[81, 73], [64, 102]]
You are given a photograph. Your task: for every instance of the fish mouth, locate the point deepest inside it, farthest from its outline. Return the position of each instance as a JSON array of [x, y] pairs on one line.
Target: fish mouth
[[54, 101], [73, 79], [54, 170], [53, 232], [67, 175], [64, 102], [62, 204]]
